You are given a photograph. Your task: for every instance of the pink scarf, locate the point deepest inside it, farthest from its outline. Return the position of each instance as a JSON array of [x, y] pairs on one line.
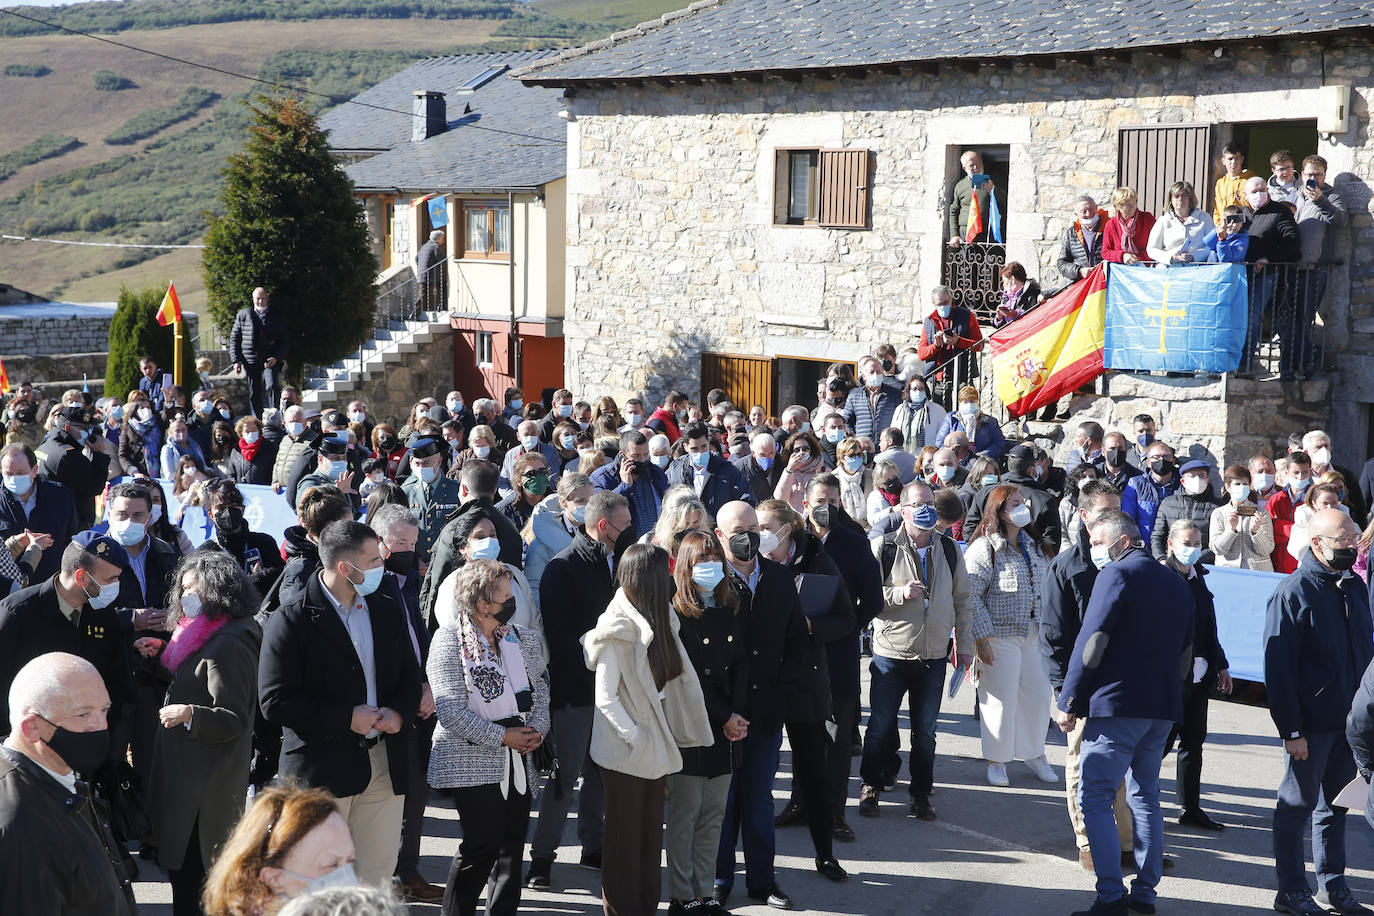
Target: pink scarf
[[191, 633]]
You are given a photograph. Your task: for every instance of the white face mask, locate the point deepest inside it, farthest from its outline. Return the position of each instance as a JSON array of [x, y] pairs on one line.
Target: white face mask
[[1194, 484], [530, 443], [250, 438], [1321, 457], [295, 429], [1262, 482], [1020, 516], [634, 419], [1239, 491], [104, 597], [768, 541], [191, 605]]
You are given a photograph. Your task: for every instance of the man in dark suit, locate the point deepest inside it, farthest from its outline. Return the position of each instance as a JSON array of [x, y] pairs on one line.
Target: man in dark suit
[[338, 674], [62, 459], [258, 343], [399, 532], [30, 504], [715, 480], [576, 586], [778, 643], [760, 467]]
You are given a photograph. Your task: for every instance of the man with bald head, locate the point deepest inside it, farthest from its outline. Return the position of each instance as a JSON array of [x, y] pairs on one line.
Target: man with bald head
[[776, 645], [258, 344], [1317, 644], [56, 855]]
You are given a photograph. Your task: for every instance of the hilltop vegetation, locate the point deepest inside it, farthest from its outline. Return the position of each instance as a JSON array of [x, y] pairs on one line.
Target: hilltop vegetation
[[45, 147], [155, 120]]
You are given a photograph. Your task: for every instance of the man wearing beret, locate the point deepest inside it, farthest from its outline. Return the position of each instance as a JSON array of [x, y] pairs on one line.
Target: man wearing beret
[[331, 467], [433, 496], [70, 612], [76, 457]]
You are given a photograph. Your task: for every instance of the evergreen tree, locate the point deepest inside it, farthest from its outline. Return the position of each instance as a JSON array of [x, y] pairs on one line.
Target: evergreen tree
[[292, 225], [135, 333]]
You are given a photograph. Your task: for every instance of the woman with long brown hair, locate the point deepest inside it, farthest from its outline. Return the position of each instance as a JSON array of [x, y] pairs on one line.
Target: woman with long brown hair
[[648, 704], [713, 636], [1008, 564]]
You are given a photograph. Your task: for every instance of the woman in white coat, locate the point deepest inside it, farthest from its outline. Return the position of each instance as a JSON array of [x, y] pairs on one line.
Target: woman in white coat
[[648, 704], [1179, 236]]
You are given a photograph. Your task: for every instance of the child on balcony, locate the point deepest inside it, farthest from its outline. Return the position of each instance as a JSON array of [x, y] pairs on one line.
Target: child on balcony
[[1230, 240]]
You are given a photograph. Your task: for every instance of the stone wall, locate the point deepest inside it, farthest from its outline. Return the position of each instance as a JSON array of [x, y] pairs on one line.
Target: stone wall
[[672, 251], [51, 333], [389, 395]]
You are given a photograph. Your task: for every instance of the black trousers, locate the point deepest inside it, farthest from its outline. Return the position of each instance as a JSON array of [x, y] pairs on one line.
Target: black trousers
[[631, 877], [492, 852], [1190, 737], [413, 816], [810, 770], [188, 881], [839, 756]]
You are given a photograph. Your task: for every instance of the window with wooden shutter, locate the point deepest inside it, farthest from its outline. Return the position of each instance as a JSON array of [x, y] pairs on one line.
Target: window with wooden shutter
[[844, 188], [1150, 159], [746, 380]]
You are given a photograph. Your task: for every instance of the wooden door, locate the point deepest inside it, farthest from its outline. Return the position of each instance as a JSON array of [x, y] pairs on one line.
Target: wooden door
[[747, 380]]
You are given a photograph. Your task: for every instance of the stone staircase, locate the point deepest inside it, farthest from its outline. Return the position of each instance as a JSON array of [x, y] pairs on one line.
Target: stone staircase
[[328, 386]]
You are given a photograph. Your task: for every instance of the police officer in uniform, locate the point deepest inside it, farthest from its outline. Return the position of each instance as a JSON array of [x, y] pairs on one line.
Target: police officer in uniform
[[433, 496], [332, 468], [62, 457]]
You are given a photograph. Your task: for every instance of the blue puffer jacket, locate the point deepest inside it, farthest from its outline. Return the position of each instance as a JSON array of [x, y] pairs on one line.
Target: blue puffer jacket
[[987, 435], [1141, 498]]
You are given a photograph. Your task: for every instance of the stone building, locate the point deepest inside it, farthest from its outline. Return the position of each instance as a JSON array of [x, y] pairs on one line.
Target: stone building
[[698, 145]]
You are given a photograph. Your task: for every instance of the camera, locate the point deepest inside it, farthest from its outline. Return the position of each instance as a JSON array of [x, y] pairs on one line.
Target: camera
[[1312, 183]]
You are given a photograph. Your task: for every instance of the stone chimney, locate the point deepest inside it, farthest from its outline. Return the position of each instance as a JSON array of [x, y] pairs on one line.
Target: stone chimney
[[430, 116]]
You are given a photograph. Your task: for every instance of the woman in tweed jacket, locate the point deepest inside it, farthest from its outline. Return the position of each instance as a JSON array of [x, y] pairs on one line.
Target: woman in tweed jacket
[[1008, 563], [493, 710], [1242, 540]]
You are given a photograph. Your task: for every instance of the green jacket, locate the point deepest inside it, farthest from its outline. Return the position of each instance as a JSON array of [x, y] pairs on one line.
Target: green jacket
[[961, 208], [433, 504]]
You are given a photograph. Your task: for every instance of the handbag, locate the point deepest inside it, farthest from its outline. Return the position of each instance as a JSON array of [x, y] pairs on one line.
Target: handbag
[[124, 796], [545, 757]]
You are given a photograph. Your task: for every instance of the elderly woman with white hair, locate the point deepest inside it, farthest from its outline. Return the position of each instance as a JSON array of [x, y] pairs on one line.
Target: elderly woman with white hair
[[493, 709], [682, 510]]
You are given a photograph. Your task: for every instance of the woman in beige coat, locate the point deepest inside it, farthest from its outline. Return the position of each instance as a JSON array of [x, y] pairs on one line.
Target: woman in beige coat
[[1242, 533], [648, 703]]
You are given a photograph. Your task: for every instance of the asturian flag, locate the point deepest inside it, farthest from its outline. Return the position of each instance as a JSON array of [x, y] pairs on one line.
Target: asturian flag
[[1176, 319]]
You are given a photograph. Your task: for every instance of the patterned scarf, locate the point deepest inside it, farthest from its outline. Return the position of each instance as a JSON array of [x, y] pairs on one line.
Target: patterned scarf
[[493, 675], [191, 634], [1128, 242]]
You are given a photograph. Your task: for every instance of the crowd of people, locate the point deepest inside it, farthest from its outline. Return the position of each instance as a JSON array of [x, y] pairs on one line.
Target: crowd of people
[[531, 606]]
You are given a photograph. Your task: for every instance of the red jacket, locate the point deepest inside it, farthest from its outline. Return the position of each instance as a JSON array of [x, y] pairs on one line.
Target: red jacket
[[965, 324], [1281, 507], [1113, 234], [667, 421]]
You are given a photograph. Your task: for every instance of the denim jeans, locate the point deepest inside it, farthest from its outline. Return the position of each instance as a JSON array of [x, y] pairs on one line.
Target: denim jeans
[[889, 680], [1304, 790], [1114, 747], [749, 811]]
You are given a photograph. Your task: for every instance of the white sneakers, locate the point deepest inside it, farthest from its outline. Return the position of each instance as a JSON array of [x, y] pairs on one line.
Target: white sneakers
[[1042, 769], [997, 775]]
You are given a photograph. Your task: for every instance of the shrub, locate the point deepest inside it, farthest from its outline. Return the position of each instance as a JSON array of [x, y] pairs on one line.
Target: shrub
[[32, 70], [155, 120], [134, 332], [45, 147], [109, 81]]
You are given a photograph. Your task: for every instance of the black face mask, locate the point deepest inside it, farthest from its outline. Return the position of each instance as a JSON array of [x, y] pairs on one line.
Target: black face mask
[[1162, 467], [507, 610], [223, 441], [744, 546], [823, 516], [400, 562], [891, 487], [387, 443], [83, 751], [1115, 457], [229, 519], [1342, 558], [639, 467], [623, 542]]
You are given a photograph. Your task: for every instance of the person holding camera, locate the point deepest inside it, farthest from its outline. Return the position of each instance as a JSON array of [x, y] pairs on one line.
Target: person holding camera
[[1242, 533], [636, 478]]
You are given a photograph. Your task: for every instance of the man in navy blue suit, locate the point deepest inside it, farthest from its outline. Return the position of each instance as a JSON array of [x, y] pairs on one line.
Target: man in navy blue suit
[[710, 476], [30, 504]]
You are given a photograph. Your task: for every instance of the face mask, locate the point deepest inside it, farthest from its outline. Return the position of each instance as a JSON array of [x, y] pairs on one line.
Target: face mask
[[251, 438], [989, 479], [768, 542], [1299, 486], [707, 574], [400, 561], [128, 533], [1020, 516], [765, 462], [804, 454], [1101, 557], [1162, 466], [422, 413], [918, 397], [18, 484], [358, 416], [427, 474], [82, 751], [103, 598], [854, 463], [700, 459], [1188, 556], [154, 515], [924, 517], [204, 407], [823, 516], [744, 546], [538, 484], [582, 425], [662, 461], [623, 542], [874, 379], [295, 429], [481, 451], [1115, 457], [944, 310], [568, 441], [529, 443], [1262, 482], [634, 419], [834, 435], [565, 410], [332, 469], [371, 579], [144, 414], [1144, 440], [516, 404], [484, 548], [1321, 457], [1194, 485], [968, 408], [343, 876], [224, 412], [191, 605], [454, 405], [507, 610], [579, 514], [805, 427], [945, 472], [230, 518], [116, 412], [1257, 199], [1342, 558]]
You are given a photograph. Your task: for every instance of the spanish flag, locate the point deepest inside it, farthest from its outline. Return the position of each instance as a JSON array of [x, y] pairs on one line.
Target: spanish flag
[[975, 221], [169, 311], [1052, 349], [4, 379]]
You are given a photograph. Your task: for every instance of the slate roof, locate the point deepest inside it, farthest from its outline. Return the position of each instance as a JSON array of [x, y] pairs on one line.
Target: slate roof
[[719, 37], [512, 137]]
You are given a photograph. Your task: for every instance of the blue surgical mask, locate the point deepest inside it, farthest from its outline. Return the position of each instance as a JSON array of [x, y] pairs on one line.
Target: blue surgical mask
[[925, 517], [18, 483], [568, 441], [1188, 556], [128, 533], [454, 405], [343, 876], [989, 479], [968, 408], [481, 451], [1299, 486], [529, 443], [662, 461], [331, 468], [516, 404], [805, 427], [427, 474], [579, 514], [945, 472], [854, 463], [700, 459], [944, 311], [565, 410], [1101, 557], [707, 574], [765, 462], [295, 429], [834, 435], [918, 397], [371, 579], [485, 548]]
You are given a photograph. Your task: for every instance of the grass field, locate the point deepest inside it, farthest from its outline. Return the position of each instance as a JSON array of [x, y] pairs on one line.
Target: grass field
[[618, 14]]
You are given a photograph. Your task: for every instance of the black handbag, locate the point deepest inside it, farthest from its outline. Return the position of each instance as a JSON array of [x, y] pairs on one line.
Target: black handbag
[[124, 795], [545, 757]]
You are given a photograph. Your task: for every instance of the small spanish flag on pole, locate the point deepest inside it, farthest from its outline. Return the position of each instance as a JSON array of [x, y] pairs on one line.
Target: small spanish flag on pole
[[169, 312], [4, 379]]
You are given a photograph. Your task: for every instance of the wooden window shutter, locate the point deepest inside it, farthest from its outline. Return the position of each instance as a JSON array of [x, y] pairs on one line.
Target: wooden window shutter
[[844, 188], [1151, 158], [746, 380]]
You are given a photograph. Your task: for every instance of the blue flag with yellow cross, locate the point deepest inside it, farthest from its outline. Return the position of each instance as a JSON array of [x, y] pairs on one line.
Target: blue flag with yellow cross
[[1177, 319]]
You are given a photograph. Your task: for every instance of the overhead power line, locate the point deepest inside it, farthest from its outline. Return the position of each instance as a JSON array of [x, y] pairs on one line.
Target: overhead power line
[[27, 238], [340, 100]]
